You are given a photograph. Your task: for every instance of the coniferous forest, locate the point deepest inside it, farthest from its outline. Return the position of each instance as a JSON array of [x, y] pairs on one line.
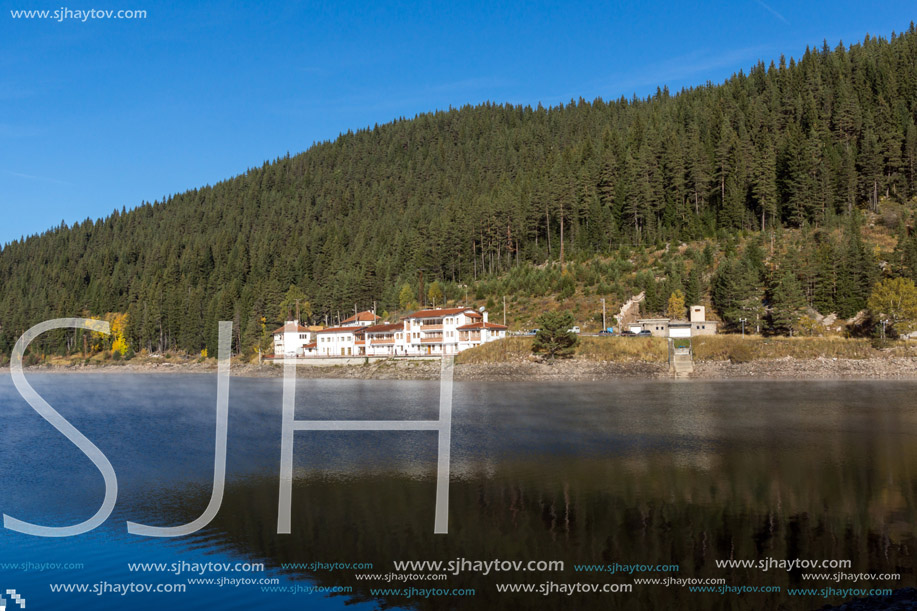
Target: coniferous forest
[[480, 198]]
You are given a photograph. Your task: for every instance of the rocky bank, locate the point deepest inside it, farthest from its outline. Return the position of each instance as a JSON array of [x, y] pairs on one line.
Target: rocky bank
[[529, 370]]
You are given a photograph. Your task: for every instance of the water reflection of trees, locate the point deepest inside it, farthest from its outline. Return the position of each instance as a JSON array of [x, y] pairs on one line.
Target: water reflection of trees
[[824, 502]]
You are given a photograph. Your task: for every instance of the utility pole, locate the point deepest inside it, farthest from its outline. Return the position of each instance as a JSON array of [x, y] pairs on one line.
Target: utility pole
[[504, 310], [884, 322], [604, 326], [297, 312], [743, 321]]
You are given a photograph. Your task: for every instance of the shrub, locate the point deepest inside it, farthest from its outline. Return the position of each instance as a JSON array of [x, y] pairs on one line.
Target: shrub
[[741, 353], [809, 327]]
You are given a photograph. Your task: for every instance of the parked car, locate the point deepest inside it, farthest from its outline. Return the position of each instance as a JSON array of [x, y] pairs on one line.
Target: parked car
[[606, 332], [645, 333], [532, 332], [573, 330]]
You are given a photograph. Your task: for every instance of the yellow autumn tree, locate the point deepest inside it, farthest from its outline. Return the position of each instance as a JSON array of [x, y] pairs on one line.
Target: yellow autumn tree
[[895, 300], [118, 324], [115, 340], [676, 305], [435, 293]]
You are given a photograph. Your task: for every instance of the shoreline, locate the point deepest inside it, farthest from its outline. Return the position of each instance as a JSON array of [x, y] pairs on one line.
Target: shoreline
[[575, 370]]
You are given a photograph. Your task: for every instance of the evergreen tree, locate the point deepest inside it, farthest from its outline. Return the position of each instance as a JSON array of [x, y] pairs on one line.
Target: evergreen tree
[[787, 302], [856, 272], [471, 194], [554, 337]]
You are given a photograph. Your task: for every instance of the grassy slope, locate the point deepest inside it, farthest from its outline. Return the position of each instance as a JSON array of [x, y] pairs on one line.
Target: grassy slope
[[710, 348], [879, 232]]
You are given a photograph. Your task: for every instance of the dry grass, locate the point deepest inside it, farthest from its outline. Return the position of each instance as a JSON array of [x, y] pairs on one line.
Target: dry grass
[[645, 349], [500, 351], [515, 349], [706, 348], [735, 348]]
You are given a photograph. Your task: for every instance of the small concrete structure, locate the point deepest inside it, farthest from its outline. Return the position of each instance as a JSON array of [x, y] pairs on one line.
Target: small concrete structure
[[704, 327], [666, 327], [659, 327]]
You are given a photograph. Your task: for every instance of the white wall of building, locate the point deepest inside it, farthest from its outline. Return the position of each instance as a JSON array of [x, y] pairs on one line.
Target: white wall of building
[[432, 332]]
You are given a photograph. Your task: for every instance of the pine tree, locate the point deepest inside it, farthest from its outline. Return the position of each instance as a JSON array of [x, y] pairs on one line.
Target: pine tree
[[473, 195], [787, 302], [856, 272], [554, 337], [693, 287]]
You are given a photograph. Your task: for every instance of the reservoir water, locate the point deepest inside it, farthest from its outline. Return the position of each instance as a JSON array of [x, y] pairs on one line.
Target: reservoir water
[[623, 482]]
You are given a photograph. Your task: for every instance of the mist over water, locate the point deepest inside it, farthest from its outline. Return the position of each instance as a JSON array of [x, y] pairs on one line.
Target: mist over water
[[631, 472]]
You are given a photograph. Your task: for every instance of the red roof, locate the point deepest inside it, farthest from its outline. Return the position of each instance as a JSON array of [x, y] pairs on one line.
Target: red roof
[[473, 314], [293, 328], [362, 316], [312, 345], [482, 325], [395, 326], [436, 313], [341, 330]]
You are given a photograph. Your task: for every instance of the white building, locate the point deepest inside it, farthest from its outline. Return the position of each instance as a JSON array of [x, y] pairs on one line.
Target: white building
[[348, 338], [293, 339], [424, 333], [338, 341], [380, 340], [445, 331]]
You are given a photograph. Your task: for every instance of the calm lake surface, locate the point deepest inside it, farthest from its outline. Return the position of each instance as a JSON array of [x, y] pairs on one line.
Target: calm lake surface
[[628, 472]]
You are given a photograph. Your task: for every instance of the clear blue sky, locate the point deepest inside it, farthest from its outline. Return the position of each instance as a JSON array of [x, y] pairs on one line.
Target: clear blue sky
[[107, 113]]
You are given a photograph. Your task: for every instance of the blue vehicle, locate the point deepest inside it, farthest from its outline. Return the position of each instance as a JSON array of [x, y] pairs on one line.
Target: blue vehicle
[[608, 331]]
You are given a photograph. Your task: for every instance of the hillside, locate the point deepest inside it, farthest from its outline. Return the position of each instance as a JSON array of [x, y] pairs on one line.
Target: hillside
[[772, 176]]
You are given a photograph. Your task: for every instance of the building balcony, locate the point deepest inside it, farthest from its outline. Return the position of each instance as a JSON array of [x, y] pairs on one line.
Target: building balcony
[[437, 327], [431, 340]]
